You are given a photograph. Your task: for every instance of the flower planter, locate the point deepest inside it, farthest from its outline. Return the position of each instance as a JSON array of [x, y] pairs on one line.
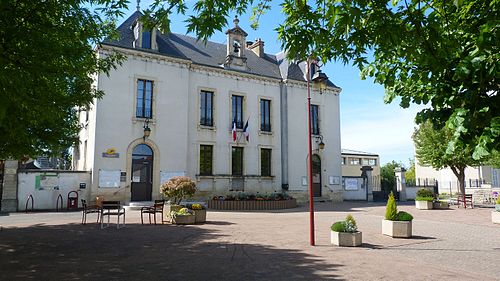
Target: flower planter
[[495, 217], [251, 204], [423, 205], [200, 216], [497, 207], [169, 208], [346, 239], [398, 229], [440, 205], [188, 219]]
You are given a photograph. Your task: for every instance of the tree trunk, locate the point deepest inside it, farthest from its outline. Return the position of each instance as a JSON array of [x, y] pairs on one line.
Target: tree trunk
[[461, 182], [460, 174]]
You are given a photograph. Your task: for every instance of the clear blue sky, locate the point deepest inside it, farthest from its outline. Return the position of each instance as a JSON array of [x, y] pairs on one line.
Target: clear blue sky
[[367, 124]]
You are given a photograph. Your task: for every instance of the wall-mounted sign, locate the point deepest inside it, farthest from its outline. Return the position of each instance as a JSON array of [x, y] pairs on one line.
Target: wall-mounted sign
[[109, 178], [123, 176], [351, 183], [47, 181], [111, 153], [334, 180], [83, 185]]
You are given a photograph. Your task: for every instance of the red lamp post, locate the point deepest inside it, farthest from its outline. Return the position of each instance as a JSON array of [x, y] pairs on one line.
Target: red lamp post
[[321, 79]]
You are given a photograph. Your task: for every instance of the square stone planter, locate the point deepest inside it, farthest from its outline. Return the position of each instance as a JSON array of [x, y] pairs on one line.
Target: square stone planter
[[440, 205], [423, 205], [189, 219], [346, 239], [495, 217], [200, 216], [497, 207], [397, 229], [169, 208]]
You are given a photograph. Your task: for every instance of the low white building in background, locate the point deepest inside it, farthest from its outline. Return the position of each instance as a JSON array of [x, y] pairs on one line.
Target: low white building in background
[[475, 177], [190, 95]]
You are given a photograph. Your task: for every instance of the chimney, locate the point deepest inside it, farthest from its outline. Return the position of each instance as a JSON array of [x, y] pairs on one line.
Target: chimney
[[257, 47]]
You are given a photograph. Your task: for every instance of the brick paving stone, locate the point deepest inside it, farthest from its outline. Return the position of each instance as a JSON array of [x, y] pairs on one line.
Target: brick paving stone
[[454, 244]]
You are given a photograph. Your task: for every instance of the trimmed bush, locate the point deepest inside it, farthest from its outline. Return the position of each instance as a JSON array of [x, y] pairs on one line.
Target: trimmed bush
[[424, 193], [338, 226], [347, 225], [391, 210], [404, 216], [428, 199]]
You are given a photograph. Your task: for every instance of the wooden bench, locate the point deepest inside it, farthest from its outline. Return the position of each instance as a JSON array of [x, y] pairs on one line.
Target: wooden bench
[[467, 199]]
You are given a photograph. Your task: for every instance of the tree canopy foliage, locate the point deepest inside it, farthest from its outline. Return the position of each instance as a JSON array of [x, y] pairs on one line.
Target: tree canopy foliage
[[441, 53], [430, 150], [388, 176], [47, 64]]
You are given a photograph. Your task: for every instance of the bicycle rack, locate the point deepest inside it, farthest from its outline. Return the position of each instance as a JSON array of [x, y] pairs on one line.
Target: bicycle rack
[[27, 201], [57, 203]]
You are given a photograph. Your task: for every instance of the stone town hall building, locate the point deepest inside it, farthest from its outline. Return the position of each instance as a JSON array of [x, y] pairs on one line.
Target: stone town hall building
[[190, 95]]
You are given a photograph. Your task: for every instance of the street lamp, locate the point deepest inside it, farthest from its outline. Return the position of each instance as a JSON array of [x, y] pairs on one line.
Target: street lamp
[[147, 130], [320, 79]]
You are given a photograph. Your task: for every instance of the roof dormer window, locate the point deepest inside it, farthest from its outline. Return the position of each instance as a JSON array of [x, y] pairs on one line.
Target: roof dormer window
[[146, 39]]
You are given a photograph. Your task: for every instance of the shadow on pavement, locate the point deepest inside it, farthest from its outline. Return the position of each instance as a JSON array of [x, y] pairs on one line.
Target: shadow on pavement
[[137, 252]]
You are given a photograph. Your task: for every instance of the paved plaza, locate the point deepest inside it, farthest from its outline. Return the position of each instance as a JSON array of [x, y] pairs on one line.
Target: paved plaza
[[454, 244]]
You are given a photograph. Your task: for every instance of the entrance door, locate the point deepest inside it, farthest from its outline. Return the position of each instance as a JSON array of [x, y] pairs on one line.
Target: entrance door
[[316, 175], [142, 173]]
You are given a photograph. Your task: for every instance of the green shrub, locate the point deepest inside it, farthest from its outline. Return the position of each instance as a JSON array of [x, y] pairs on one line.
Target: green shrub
[[424, 192], [338, 226], [404, 216], [350, 224], [347, 225], [498, 200], [420, 198], [391, 210]]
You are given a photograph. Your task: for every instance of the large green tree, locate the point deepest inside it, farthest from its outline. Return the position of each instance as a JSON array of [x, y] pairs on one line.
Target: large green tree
[[46, 69], [441, 53], [388, 176], [430, 150]]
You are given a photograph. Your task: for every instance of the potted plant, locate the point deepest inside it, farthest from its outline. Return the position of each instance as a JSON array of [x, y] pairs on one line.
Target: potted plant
[[396, 224], [424, 199], [440, 204], [200, 213], [495, 215], [345, 233], [176, 189], [183, 216]]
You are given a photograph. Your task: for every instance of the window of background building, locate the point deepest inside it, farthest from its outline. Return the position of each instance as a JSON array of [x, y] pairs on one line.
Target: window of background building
[[354, 161], [237, 161], [206, 108], [343, 160], [314, 119], [265, 162], [265, 115], [144, 98], [206, 160], [365, 161], [372, 162], [237, 111]]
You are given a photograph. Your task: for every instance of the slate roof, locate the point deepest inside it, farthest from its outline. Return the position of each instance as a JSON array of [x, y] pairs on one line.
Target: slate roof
[[210, 54]]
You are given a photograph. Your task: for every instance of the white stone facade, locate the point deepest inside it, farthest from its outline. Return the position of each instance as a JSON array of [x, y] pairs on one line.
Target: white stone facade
[[176, 133]]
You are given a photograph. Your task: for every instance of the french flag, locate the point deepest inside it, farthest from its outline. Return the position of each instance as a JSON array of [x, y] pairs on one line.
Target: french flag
[[234, 129], [246, 131]]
